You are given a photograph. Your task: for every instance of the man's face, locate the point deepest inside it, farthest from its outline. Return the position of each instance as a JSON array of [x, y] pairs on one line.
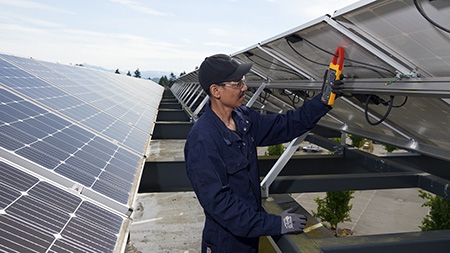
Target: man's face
[[233, 92]]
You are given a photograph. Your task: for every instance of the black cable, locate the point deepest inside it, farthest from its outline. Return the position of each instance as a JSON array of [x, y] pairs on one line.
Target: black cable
[[390, 104], [350, 60], [422, 12], [263, 99], [284, 69], [402, 104], [304, 57], [293, 100], [366, 111], [370, 66]]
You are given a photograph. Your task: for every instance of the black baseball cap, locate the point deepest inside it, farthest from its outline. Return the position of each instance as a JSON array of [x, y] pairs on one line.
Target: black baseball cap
[[221, 68]]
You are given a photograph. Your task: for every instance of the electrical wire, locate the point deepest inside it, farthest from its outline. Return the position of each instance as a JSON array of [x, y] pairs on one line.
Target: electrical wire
[[284, 69], [366, 111], [267, 93], [372, 67], [402, 104], [369, 66], [304, 57], [390, 105], [422, 12]]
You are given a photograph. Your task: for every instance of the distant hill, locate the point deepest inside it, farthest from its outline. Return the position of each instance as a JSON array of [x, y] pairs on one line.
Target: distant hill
[[152, 74]]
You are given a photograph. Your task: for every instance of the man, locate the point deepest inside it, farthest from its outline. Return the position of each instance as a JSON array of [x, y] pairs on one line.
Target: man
[[221, 158]]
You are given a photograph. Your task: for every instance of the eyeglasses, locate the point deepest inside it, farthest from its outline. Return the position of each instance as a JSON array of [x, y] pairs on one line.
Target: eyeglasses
[[234, 84]]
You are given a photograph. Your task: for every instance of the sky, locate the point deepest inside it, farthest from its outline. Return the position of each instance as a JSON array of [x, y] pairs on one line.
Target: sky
[[164, 35]]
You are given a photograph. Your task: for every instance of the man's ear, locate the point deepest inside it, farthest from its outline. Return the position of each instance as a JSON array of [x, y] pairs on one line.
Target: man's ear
[[214, 91]]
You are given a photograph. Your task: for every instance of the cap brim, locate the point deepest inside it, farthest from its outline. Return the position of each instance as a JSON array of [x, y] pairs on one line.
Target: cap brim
[[243, 69]]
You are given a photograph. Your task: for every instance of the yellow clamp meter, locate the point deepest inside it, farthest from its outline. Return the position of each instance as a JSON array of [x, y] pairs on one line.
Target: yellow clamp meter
[[333, 74]]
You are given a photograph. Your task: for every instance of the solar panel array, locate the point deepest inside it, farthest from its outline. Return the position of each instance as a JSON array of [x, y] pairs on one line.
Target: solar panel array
[[391, 49], [72, 148]]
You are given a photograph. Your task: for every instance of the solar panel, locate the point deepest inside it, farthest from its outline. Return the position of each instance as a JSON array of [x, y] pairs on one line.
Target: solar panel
[[391, 49], [36, 215], [83, 134]]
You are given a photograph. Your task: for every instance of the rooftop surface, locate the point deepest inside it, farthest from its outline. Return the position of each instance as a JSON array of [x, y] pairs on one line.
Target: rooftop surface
[[173, 221]]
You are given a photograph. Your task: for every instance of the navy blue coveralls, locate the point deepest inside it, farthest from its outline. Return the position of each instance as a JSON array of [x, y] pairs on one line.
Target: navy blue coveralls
[[223, 169]]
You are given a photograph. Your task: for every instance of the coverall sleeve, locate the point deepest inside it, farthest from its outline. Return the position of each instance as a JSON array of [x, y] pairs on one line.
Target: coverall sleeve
[[279, 128], [207, 172]]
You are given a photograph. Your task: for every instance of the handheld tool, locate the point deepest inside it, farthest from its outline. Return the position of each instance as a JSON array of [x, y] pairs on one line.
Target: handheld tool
[[334, 73]]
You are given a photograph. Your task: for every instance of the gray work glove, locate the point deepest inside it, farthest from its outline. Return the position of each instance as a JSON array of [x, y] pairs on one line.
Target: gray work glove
[[292, 223]]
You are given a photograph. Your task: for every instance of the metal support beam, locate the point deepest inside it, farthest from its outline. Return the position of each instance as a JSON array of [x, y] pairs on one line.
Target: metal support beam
[[386, 58], [344, 182], [256, 94], [199, 108], [199, 94], [429, 241], [194, 91], [316, 238], [279, 165], [286, 62], [420, 87]]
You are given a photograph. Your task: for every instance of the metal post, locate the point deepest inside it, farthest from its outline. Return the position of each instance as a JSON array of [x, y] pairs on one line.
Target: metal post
[[256, 94], [279, 165], [200, 107], [196, 98], [386, 58]]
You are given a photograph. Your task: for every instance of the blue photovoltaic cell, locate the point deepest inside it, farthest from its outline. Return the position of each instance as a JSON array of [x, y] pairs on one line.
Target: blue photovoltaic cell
[[37, 216], [30, 129], [103, 105], [88, 126], [59, 145], [65, 103]]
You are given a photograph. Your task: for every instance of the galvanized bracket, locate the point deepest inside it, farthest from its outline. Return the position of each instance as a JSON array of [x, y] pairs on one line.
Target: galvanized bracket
[[256, 94], [280, 163]]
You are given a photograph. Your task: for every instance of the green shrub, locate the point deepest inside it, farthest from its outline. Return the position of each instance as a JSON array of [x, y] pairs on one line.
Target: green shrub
[[357, 141], [334, 208], [439, 216], [275, 150], [336, 139], [389, 148]]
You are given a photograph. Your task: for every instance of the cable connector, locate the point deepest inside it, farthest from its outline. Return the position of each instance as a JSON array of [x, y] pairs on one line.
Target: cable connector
[[400, 76]]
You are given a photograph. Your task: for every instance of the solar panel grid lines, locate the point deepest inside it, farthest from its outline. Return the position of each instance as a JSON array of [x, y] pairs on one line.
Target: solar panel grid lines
[[41, 217], [78, 110], [79, 137], [39, 150], [34, 151], [124, 95]]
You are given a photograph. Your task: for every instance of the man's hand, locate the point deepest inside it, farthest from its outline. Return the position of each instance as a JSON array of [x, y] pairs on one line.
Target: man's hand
[[336, 88], [292, 223]]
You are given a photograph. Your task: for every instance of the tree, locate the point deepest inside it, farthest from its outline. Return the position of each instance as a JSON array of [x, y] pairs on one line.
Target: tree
[[356, 141], [275, 150], [389, 148], [117, 71], [183, 73], [163, 81], [334, 208], [439, 215], [137, 73], [128, 74]]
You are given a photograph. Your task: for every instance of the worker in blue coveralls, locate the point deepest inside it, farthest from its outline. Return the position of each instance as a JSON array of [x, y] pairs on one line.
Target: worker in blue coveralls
[[221, 158]]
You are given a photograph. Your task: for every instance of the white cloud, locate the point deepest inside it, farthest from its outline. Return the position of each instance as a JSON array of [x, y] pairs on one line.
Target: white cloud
[[113, 40], [187, 41], [217, 44], [32, 5], [139, 7], [117, 50], [219, 32], [13, 18]]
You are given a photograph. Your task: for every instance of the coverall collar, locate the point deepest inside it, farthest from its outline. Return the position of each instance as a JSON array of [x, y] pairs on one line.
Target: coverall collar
[[228, 135]]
